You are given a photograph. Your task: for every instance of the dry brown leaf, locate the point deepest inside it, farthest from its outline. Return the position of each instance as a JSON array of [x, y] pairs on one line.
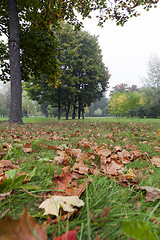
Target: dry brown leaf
[[156, 160], [152, 193], [81, 168], [105, 212], [157, 149], [6, 165], [24, 228], [4, 195], [118, 149], [75, 152], [112, 168], [27, 148], [104, 152], [7, 146]]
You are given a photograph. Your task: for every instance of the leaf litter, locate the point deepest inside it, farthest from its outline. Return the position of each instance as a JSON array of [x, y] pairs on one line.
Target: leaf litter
[[79, 160]]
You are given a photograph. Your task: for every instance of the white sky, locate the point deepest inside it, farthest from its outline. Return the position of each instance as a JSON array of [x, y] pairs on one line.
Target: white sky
[[126, 50]]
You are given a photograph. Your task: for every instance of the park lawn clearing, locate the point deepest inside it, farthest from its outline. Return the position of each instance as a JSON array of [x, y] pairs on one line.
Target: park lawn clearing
[[111, 168]]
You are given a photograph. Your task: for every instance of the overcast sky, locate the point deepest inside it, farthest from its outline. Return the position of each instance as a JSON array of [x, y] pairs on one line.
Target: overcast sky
[[126, 50]]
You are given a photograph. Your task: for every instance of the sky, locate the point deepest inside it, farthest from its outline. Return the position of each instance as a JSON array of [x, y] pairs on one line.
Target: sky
[[126, 50]]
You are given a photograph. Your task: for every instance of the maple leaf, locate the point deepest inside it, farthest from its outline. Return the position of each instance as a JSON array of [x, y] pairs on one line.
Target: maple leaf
[[53, 204], [24, 228], [69, 235]]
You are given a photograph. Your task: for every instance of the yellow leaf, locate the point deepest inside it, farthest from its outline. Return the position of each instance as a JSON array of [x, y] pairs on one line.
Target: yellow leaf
[[53, 204]]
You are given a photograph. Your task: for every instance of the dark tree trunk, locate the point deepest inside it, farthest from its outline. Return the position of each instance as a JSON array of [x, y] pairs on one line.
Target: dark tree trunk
[[59, 110], [67, 109], [74, 110], [15, 67], [83, 113], [79, 109]]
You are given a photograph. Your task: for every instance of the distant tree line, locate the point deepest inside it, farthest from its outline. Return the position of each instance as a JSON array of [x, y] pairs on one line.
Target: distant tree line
[[134, 102]]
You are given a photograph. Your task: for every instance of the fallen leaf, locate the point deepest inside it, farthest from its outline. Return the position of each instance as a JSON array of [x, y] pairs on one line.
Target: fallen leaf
[[69, 235], [27, 148], [152, 193], [157, 149], [53, 204], [105, 212], [130, 174], [156, 160], [24, 228], [112, 168], [7, 165], [4, 195], [81, 168]]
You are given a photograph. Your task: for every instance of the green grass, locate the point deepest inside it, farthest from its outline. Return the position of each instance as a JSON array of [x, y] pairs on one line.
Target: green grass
[[126, 203]]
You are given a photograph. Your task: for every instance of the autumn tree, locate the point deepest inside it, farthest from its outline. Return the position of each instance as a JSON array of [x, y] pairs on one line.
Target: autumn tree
[[123, 87], [19, 17], [84, 78], [126, 103]]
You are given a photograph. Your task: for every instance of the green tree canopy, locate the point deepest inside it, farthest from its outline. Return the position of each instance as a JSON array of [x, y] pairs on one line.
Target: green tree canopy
[[126, 103], [83, 79]]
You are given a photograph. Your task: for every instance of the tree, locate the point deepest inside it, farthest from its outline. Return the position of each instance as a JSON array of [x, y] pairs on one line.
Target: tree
[[100, 104], [23, 15], [83, 79], [117, 104], [151, 90], [123, 87], [29, 107], [125, 103]]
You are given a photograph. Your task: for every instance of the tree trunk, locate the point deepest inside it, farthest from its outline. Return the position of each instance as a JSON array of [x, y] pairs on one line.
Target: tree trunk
[[67, 109], [83, 113], [79, 109], [15, 67], [74, 110], [59, 110]]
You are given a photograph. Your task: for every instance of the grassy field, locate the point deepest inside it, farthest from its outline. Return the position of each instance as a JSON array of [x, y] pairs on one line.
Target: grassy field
[[113, 155]]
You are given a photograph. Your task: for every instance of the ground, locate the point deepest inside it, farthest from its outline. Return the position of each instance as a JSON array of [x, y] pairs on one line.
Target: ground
[[112, 165]]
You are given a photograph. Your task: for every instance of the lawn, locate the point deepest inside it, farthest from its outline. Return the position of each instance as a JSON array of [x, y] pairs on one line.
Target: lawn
[[111, 164]]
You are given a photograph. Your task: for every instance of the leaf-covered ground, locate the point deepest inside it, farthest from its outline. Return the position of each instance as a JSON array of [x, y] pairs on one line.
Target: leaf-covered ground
[[111, 166]]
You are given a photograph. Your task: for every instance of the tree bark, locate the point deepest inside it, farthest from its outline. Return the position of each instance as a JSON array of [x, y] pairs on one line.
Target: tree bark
[[59, 110], [79, 109], [74, 109], [67, 109], [15, 67], [83, 113]]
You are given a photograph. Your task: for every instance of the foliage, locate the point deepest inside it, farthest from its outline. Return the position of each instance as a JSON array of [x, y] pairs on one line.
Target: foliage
[[29, 107], [84, 77], [100, 104], [4, 100], [123, 87], [125, 103], [151, 90]]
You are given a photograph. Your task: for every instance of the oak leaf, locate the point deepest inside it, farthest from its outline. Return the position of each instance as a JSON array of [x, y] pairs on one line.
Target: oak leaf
[[53, 204]]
